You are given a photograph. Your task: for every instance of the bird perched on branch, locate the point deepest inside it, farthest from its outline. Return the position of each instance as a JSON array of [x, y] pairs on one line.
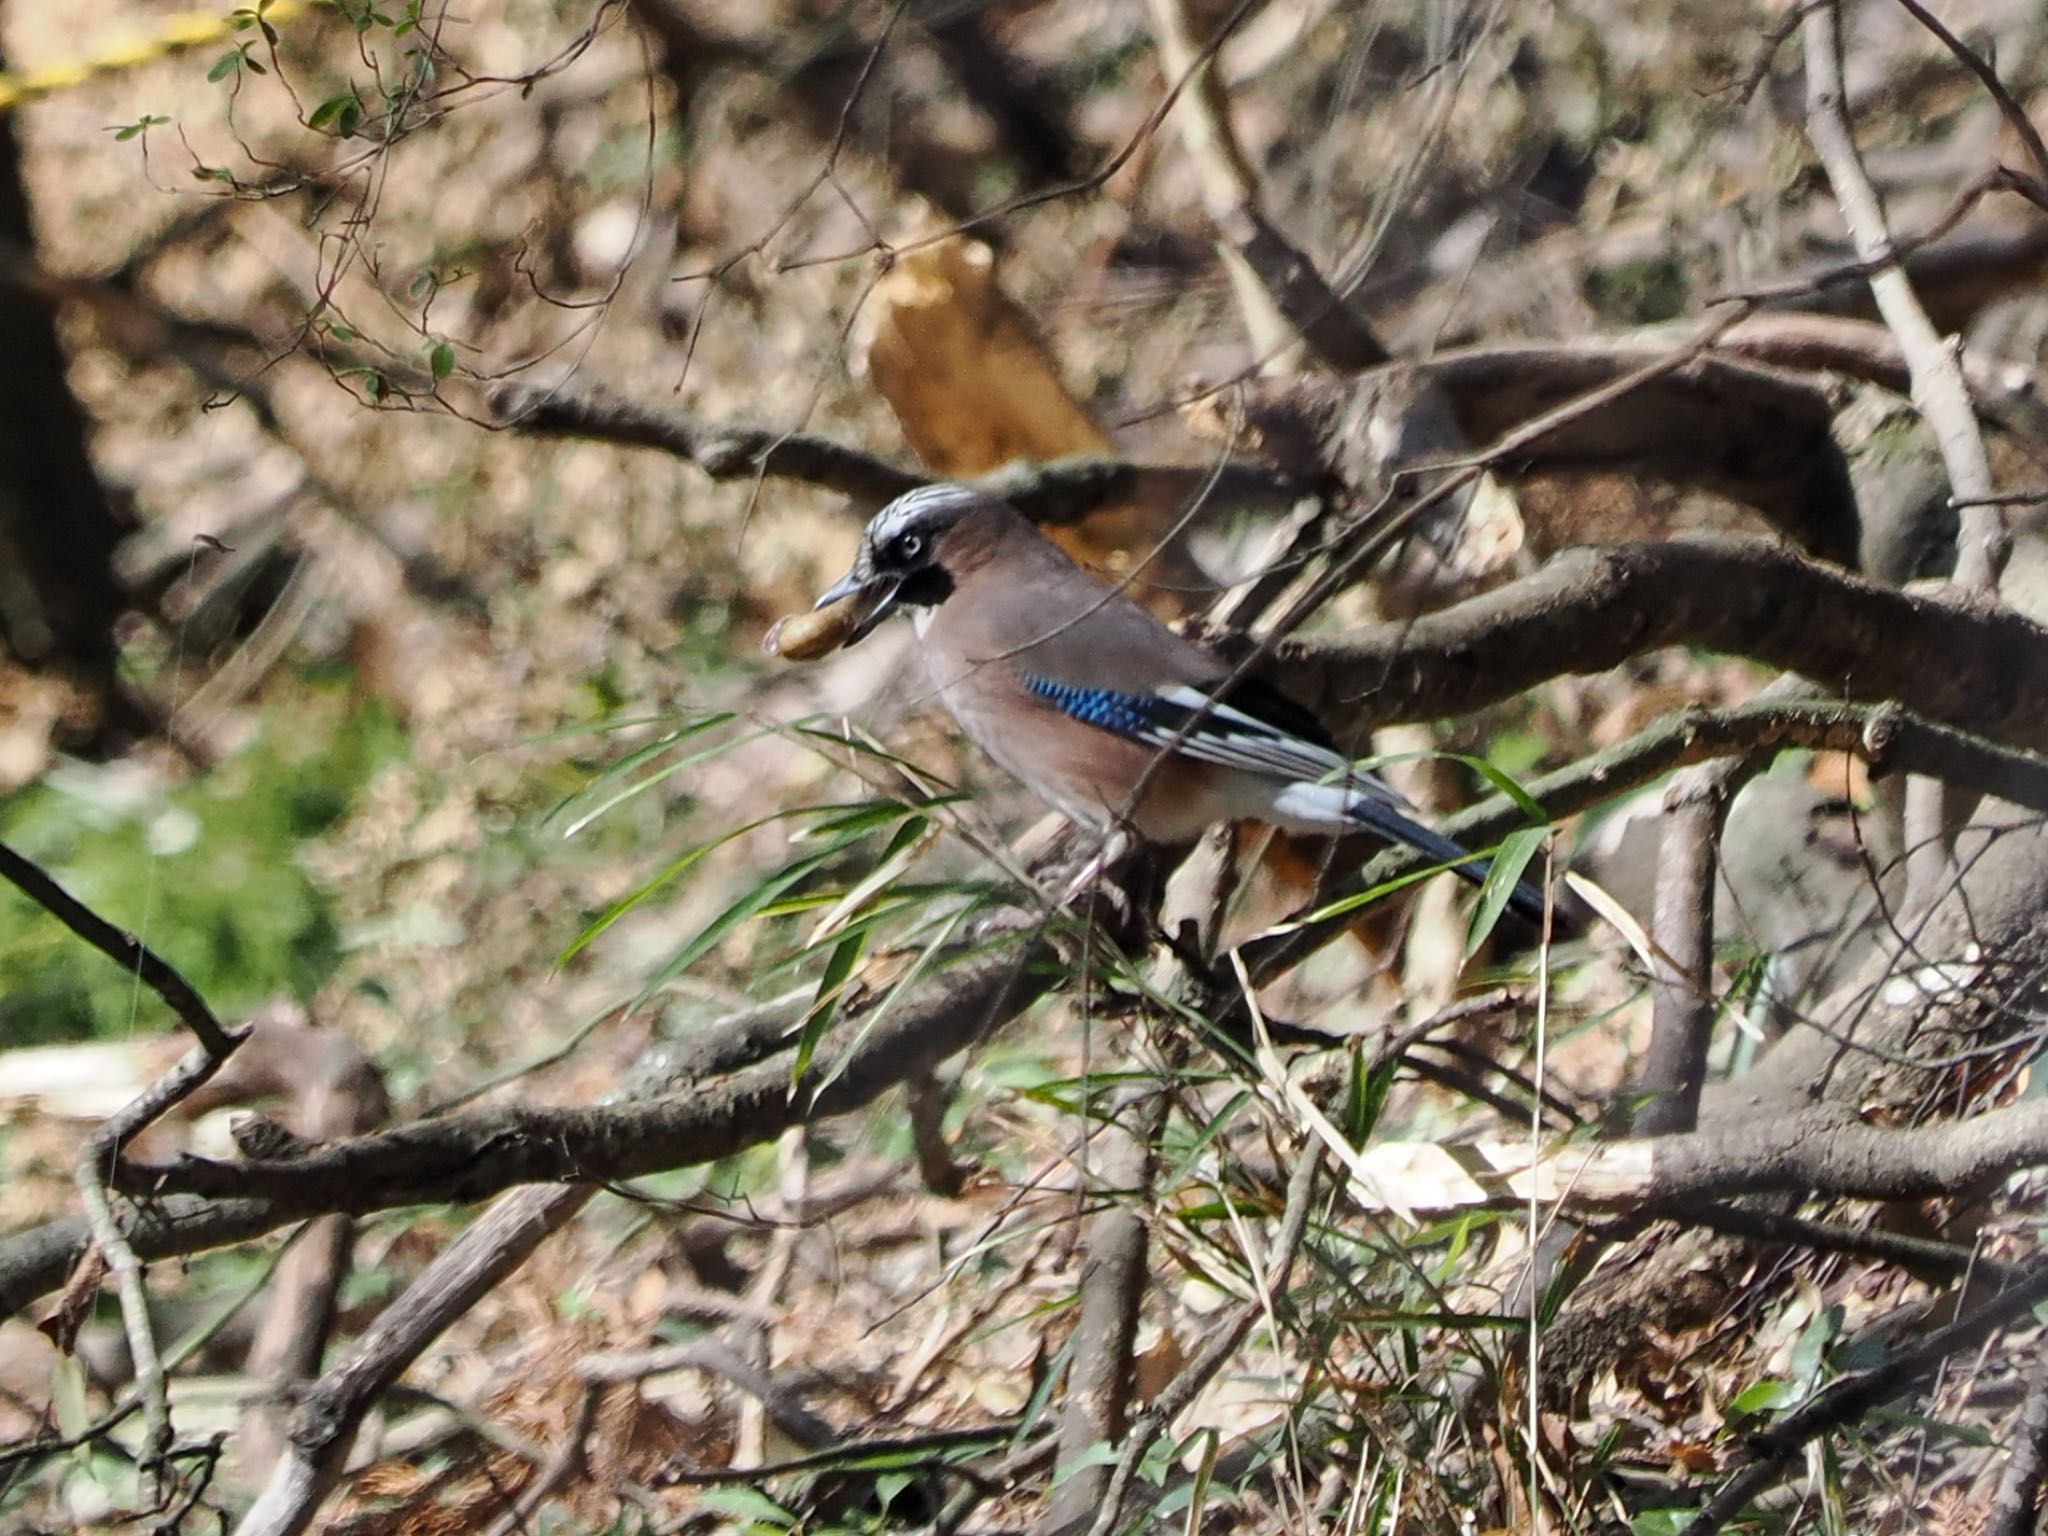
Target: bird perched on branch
[[1101, 710]]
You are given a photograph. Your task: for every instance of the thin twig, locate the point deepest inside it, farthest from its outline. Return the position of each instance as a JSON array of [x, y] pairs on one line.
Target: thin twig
[[128, 1282], [2014, 114], [565, 1464], [122, 947], [1917, 1254], [94, 1159]]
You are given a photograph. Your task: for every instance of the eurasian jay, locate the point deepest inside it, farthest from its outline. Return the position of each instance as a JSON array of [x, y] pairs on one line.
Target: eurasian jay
[[1097, 707]]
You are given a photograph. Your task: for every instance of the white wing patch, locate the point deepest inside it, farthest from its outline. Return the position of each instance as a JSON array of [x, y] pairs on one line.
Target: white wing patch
[[1230, 738]]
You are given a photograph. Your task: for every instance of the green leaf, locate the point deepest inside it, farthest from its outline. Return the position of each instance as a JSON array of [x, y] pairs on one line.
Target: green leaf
[[744, 1503], [1366, 1096], [224, 66], [839, 966], [846, 954], [1365, 898], [1759, 1397], [713, 933], [1218, 1123], [373, 382], [333, 110], [613, 797], [1516, 850], [668, 875], [1503, 783], [1812, 1345], [889, 1484], [123, 132], [441, 360]]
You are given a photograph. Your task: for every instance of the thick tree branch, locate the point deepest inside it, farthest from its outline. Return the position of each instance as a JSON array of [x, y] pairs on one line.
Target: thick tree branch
[[2007, 395], [1982, 668], [323, 1425], [1674, 1068], [1882, 735], [1102, 1374], [1825, 1153], [477, 1153], [1659, 408]]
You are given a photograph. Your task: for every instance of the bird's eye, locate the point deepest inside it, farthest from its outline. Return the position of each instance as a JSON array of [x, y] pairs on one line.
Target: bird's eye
[[907, 547]]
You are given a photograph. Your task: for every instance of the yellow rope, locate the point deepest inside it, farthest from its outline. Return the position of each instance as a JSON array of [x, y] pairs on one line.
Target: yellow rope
[[177, 34]]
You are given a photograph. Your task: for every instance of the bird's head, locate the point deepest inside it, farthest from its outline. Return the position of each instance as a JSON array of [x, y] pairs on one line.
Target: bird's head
[[910, 553]]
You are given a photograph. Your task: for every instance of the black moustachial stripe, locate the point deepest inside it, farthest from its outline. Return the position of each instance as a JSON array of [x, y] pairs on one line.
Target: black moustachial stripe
[[926, 587]]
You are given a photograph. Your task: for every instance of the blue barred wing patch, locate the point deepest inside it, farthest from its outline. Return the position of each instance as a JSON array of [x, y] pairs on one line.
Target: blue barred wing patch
[[1197, 725], [1126, 714]]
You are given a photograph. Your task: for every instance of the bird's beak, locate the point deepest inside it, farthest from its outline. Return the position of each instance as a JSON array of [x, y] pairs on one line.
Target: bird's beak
[[875, 594]]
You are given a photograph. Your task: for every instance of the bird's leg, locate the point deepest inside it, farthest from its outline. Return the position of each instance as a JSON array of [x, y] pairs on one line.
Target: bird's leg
[[1113, 849], [1085, 881]]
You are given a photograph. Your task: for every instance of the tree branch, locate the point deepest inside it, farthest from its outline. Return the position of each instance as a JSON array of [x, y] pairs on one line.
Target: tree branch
[[1938, 390], [741, 1096], [1062, 491], [1591, 609], [740, 1073], [121, 947]]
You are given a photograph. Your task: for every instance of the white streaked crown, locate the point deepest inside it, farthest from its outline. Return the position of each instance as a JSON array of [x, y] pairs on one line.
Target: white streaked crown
[[927, 507]]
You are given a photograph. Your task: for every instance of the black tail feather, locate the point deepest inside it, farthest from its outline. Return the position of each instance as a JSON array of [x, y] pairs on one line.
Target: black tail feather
[[1526, 901]]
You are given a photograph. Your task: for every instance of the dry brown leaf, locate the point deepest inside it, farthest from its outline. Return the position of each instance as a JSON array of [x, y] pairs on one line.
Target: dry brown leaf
[[963, 368], [65, 1316]]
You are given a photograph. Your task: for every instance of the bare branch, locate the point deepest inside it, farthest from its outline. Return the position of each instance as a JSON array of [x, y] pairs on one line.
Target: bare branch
[[477, 1153], [323, 1425], [1682, 986], [1063, 491], [1221, 1345], [1938, 389], [121, 947], [1113, 1279], [1590, 609], [2013, 1511], [2008, 108]]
